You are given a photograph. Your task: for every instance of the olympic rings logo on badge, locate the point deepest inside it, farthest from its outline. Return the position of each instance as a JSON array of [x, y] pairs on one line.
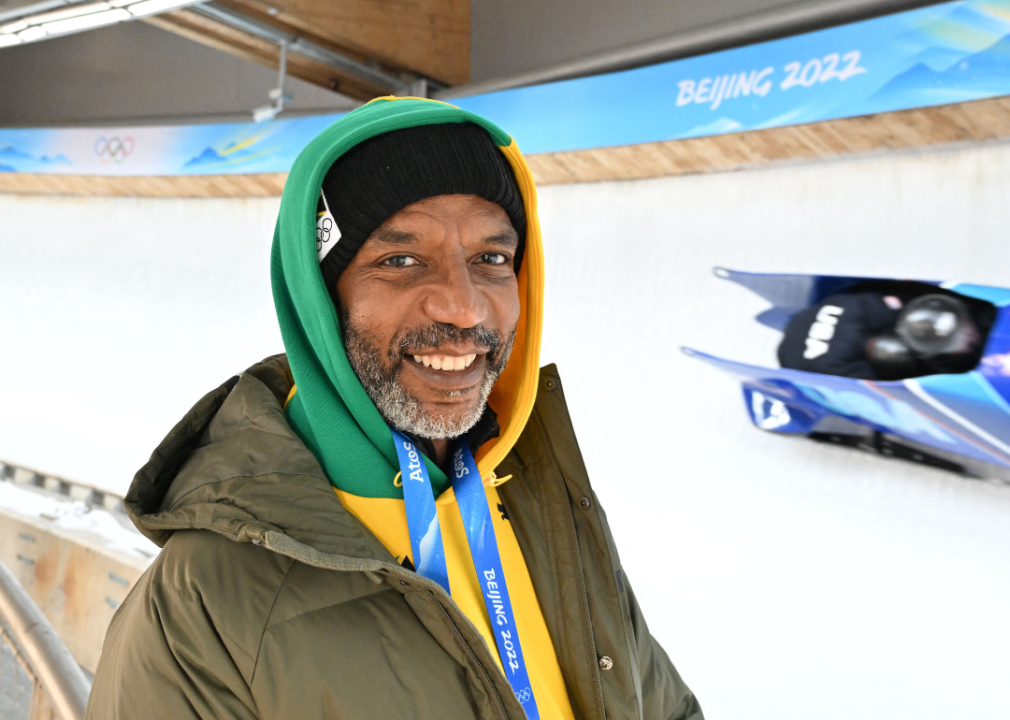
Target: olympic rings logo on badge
[[524, 695], [323, 228], [114, 149]]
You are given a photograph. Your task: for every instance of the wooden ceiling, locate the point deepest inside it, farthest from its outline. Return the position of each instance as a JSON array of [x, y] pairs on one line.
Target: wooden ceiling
[[403, 38]]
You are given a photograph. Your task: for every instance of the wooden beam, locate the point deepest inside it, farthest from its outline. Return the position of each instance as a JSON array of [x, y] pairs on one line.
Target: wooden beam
[[413, 37], [268, 15], [236, 42], [977, 121], [429, 37]]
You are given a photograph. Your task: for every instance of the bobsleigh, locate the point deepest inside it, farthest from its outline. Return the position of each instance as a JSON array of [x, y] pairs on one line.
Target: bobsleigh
[[958, 422]]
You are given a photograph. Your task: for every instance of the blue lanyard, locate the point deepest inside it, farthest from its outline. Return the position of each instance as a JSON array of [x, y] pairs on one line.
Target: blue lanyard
[[422, 518], [422, 521]]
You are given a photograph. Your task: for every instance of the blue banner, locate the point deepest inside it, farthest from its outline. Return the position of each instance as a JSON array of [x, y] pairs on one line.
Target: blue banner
[[941, 54]]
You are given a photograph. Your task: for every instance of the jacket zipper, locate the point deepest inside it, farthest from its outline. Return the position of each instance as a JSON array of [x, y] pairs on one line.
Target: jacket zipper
[[473, 657], [573, 536]]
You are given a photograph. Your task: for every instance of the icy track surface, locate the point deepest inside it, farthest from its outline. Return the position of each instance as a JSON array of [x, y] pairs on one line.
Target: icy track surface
[[786, 580]]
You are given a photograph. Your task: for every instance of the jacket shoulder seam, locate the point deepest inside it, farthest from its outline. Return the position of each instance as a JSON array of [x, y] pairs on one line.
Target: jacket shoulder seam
[[266, 621], [189, 595]]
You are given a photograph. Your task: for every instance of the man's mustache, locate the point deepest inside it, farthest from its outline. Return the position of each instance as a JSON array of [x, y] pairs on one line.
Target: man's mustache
[[414, 341]]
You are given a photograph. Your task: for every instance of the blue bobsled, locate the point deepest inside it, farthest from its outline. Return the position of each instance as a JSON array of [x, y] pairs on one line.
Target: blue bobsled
[[959, 422]]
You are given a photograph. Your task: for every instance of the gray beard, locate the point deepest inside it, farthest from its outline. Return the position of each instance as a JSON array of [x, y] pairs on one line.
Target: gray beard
[[399, 408]]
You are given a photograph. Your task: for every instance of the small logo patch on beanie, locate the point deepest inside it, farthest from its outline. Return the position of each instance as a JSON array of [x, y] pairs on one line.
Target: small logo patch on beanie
[[327, 232]]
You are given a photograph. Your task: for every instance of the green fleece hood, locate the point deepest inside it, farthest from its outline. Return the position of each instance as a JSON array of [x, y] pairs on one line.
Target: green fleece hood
[[328, 408]]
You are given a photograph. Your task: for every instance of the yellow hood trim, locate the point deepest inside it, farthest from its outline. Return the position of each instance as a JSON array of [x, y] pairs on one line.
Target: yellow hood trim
[[519, 381]]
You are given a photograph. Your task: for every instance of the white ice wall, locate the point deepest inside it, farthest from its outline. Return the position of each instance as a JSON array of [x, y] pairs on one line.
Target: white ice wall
[[116, 316], [785, 579], [788, 580]]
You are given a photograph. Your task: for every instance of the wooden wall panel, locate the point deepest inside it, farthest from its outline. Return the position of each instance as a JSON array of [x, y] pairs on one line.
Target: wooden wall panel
[[976, 121], [76, 583], [163, 186]]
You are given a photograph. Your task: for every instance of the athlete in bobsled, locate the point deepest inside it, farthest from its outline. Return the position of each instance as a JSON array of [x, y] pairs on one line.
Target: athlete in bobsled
[[898, 331], [911, 369]]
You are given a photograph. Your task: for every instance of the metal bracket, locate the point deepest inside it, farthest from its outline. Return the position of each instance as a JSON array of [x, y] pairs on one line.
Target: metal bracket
[[345, 65], [279, 97]]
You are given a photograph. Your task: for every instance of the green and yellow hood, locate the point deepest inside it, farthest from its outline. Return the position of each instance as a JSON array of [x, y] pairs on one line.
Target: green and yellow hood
[[329, 408]]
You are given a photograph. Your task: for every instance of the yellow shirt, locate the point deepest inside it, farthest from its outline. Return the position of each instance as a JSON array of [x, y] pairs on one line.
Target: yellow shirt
[[387, 519]]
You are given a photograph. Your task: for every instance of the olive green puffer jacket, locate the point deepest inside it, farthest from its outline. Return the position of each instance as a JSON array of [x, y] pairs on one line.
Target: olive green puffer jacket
[[270, 600]]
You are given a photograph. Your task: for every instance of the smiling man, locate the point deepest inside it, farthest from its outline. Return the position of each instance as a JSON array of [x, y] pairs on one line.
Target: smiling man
[[429, 307], [393, 518]]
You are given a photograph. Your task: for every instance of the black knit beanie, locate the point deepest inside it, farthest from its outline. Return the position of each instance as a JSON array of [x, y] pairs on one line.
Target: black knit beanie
[[381, 176]]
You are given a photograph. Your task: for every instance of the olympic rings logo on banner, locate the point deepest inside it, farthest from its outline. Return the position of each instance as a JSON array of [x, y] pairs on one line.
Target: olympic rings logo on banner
[[114, 149]]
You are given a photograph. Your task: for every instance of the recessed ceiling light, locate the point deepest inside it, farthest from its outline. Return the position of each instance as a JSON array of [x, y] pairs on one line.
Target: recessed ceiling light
[[32, 33], [16, 26], [149, 7], [86, 22], [80, 16], [65, 13]]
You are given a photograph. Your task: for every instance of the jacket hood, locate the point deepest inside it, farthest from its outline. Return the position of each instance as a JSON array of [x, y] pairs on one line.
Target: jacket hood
[[330, 410], [233, 466]]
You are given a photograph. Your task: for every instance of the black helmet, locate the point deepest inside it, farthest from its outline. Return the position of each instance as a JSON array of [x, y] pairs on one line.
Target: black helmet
[[937, 324]]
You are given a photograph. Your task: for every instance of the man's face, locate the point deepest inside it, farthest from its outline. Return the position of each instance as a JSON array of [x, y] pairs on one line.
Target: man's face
[[429, 307]]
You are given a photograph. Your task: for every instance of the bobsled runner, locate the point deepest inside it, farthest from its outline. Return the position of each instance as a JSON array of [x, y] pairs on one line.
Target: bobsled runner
[[955, 421]]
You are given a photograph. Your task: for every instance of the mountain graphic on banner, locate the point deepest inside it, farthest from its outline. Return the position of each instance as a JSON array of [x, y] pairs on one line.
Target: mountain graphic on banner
[[716, 127], [207, 157], [14, 160], [966, 29], [938, 59], [231, 154], [982, 74], [8, 152]]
